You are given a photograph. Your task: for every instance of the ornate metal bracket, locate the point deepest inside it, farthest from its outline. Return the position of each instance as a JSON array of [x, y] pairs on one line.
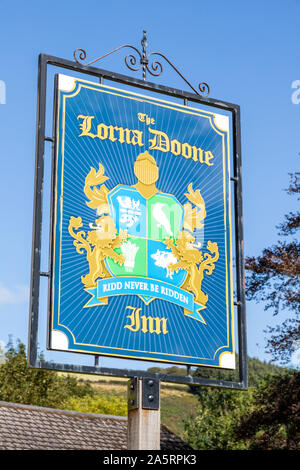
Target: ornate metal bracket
[[141, 61]]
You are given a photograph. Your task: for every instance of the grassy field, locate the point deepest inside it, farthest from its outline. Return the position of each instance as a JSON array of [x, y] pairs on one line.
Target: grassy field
[[177, 404]]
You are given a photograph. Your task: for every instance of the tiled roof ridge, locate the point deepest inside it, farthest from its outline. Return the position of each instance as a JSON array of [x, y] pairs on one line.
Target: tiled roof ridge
[[42, 409]]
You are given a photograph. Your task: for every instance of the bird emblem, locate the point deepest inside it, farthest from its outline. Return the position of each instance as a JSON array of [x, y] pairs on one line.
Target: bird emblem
[[161, 218]]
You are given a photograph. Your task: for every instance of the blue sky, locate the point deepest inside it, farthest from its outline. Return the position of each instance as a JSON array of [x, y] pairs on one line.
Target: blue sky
[[248, 52]]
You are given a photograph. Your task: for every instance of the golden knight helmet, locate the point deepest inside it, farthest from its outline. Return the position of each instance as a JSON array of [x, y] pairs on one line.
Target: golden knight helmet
[[145, 169]]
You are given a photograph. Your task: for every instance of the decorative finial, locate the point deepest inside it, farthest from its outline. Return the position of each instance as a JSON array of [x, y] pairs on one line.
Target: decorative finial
[[144, 58], [153, 67], [144, 41]]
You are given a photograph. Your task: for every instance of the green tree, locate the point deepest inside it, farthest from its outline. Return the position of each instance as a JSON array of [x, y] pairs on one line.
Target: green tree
[[21, 384], [273, 422], [274, 279], [266, 416], [221, 409], [215, 422]]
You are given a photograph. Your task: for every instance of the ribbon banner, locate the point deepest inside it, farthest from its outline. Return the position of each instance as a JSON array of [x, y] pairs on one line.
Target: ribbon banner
[[148, 289]]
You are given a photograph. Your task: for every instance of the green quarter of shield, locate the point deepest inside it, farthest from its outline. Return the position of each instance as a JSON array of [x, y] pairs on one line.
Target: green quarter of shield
[[134, 251], [164, 217]]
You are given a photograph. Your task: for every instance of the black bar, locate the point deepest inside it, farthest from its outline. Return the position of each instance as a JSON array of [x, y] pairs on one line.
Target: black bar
[[240, 265], [37, 212], [131, 373]]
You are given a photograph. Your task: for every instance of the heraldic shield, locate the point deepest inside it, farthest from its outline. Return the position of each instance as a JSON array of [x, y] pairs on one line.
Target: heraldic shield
[[145, 243], [148, 222]]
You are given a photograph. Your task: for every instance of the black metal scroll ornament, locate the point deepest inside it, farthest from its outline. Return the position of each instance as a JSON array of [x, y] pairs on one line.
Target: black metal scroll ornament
[[141, 61]]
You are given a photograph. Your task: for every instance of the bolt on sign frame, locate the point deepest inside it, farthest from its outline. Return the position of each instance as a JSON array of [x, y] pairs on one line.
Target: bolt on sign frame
[[117, 272]]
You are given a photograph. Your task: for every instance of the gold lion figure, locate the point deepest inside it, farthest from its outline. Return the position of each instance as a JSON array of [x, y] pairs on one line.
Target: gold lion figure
[[194, 262], [98, 244]]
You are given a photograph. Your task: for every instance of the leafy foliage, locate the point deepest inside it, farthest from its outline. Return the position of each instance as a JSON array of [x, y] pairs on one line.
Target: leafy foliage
[[274, 421], [111, 404], [274, 278], [20, 384], [220, 409], [267, 416], [213, 427]]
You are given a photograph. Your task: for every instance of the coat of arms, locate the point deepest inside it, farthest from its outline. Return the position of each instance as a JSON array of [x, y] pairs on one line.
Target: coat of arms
[[143, 242]]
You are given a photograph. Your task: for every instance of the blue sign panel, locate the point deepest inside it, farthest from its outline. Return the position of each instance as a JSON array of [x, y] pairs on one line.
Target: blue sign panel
[[142, 263]]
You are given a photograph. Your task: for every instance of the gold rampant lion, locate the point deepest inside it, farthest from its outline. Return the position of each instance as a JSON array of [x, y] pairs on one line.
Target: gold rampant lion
[[98, 244], [194, 262]]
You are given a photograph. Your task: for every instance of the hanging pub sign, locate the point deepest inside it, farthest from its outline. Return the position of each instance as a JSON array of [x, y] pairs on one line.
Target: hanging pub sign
[[141, 242]]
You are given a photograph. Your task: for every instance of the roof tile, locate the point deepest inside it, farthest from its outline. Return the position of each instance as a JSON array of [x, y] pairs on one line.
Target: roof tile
[[30, 427]]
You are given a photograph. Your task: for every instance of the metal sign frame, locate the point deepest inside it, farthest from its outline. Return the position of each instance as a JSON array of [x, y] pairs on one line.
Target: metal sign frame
[[41, 138]]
